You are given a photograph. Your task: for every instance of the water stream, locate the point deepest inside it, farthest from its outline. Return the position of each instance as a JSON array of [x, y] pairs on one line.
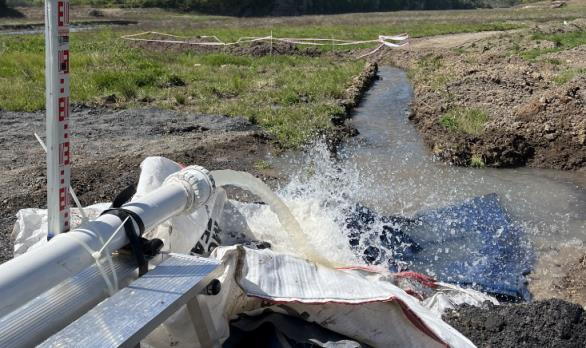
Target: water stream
[[294, 232], [391, 157], [388, 169]]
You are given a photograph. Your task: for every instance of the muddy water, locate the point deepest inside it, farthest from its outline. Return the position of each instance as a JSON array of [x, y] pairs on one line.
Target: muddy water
[[393, 159], [388, 168]]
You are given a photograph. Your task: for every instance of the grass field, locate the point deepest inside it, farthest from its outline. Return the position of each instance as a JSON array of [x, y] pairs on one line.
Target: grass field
[[561, 41], [292, 97]]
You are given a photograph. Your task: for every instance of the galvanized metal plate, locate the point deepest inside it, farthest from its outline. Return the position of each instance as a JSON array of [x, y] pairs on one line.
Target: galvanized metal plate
[[35, 321], [133, 312]]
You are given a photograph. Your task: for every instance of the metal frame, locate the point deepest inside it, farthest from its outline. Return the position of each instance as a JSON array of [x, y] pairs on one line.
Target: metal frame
[[127, 317]]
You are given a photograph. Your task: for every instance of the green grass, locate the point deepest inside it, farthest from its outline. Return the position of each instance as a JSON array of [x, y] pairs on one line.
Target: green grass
[[467, 120], [562, 41], [568, 75], [477, 161], [292, 97], [349, 31], [262, 165]]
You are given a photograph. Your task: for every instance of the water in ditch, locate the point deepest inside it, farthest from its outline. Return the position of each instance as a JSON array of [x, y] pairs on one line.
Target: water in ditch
[[388, 169]]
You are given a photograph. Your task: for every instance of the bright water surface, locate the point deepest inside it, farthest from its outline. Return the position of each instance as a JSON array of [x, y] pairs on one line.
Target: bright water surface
[[388, 168]]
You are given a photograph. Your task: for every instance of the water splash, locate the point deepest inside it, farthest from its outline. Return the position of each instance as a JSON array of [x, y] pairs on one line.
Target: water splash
[[388, 169], [295, 234]]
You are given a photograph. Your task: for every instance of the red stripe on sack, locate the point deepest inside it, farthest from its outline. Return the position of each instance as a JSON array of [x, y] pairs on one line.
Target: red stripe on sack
[[421, 278]]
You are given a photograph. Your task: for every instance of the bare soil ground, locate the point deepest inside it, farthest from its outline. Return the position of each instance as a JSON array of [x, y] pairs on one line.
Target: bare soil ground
[[560, 273], [550, 323], [532, 118], [109, 147]]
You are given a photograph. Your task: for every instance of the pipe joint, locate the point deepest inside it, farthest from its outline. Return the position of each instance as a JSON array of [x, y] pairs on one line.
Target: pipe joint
[[198, 183]]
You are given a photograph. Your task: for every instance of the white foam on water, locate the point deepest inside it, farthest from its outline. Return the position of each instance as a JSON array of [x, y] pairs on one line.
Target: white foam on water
[[296, 219]]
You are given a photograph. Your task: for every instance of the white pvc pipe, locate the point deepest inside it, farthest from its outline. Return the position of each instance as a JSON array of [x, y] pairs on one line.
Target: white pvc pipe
[[27, 276]]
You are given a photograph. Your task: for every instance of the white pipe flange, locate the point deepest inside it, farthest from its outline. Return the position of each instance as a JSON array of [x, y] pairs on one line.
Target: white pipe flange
[[198, 183]]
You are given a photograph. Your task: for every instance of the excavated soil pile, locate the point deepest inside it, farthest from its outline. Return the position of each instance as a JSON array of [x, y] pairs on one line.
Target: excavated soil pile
[[535, 113], [550, 323], [255, 49]]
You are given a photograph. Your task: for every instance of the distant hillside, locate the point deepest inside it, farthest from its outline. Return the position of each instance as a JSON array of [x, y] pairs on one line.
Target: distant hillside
[[288, 7]]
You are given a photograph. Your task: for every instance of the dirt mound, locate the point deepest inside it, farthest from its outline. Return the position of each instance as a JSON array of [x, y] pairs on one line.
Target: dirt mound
[[533, 114], [550, 323], [255, 49], [263, 48]]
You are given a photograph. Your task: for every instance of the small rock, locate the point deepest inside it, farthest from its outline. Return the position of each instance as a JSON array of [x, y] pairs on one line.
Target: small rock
[[550, 136], [110, 98], [94, 12]]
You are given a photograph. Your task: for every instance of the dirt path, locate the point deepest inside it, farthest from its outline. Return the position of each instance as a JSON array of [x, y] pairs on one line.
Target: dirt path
[[452, 40]]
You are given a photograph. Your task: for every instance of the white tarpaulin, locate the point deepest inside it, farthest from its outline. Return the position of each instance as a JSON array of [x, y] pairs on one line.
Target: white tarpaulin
[[365, 306]]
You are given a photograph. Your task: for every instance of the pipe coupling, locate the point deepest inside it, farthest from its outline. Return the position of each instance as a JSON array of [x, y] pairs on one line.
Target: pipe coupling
[[198, 183]]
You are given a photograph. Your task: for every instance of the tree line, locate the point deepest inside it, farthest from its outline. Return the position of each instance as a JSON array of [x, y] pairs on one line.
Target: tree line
[[298, 7], [286, 7]]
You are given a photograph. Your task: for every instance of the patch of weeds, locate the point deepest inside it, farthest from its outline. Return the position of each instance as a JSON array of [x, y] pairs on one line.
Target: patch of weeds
[[262, 165], [128, 90], [477, 161], [426, 70], [224, 59], [467, 120], [430, 63], [562, 41], [534, 53], [180, 99], [460, 50], [554, 61], [568, 75], [174, 81], [440, 82]]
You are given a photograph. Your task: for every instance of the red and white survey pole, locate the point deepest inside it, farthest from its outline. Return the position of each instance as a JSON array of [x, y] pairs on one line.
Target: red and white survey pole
[[57, 105]]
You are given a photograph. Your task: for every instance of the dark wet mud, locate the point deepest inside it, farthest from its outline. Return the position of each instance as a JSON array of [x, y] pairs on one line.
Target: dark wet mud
[[549, 323]]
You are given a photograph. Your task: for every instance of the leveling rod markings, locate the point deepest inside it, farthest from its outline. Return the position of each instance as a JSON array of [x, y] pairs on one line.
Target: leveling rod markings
[[57, 105]]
